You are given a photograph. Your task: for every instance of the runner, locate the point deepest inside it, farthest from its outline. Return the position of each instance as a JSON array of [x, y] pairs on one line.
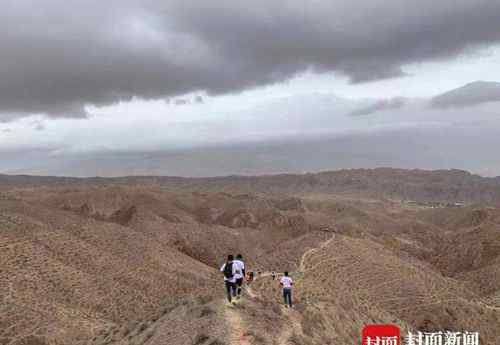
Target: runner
[[286, 282], [239, 267], [251, 276], [228, 269], [273, 274]]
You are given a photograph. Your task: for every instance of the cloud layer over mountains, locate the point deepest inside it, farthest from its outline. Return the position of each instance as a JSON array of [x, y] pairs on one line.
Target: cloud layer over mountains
[[61, 56], [380, 105]]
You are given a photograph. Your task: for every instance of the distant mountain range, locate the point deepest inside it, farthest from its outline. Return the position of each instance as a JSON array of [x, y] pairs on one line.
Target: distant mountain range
[[447, 186], [475, 93]]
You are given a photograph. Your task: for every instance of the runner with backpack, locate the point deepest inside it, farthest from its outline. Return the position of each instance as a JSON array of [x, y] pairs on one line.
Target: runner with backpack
[[228, 269], [239, 268]]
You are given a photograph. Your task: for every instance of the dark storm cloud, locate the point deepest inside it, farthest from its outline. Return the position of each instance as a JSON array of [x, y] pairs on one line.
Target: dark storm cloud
[[381, 105], [59, 56], [468, 95]]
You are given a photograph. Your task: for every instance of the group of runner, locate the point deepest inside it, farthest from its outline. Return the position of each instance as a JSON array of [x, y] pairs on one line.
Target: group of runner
[[234, 277]]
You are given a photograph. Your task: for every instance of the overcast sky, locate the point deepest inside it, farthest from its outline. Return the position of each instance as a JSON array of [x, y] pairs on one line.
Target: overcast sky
[[92, 76]]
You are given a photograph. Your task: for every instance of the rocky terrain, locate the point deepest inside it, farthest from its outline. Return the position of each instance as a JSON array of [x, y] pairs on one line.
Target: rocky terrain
[[135, 260]]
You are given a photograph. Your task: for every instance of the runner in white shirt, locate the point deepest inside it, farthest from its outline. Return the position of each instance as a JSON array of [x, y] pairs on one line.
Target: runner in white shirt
[[239, 267], [287, 284], [229, 277]]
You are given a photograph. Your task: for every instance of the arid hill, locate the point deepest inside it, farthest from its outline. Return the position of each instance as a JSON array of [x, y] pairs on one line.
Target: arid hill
[[135, 260]]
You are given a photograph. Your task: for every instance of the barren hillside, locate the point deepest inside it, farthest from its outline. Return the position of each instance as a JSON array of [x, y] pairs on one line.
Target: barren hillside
[[135, 260]]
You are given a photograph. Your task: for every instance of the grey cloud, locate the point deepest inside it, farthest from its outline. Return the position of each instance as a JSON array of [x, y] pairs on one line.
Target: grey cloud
[[59, 57], [369, 71], [412, 147], [5, 118], [7, 130], [181, 101], [381, 105], [469, 95], [38, 126]]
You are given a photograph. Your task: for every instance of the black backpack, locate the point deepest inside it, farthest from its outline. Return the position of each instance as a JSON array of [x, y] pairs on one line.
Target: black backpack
[[228, 270]]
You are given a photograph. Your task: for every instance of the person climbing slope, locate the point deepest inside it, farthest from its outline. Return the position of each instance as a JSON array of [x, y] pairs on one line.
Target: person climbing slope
[[286, 282], [239, 267], [228, 269]]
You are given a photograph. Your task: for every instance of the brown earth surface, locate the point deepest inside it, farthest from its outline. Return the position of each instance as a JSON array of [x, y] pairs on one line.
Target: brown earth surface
[[135, 260]]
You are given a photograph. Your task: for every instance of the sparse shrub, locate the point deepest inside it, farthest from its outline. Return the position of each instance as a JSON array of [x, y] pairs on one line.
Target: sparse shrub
[[148, 335], [205, 311], [257, 338], [299, 340], [142, 340], [32, 340], [124, 331], [217, 342], [200, 339], [203, 299], [276, 308], [312, 322], [391, 242], [142, 327]]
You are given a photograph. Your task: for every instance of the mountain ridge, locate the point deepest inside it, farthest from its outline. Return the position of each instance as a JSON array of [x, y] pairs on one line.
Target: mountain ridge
[[419, 185], [471, 94]]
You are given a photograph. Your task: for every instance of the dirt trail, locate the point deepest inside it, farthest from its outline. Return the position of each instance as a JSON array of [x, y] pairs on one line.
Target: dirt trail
[[238, 334], [293, 327], [302, 267], [488, 306], [294, 317], [250, 292]]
